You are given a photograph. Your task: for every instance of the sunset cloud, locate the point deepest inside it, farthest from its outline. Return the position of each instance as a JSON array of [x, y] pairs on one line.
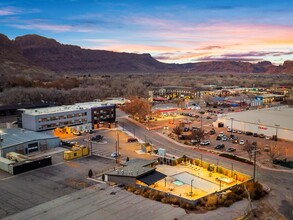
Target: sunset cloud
[[170, 31]]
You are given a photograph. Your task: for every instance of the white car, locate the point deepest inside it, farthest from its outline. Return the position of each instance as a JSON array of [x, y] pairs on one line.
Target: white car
[[114, 155], [229, 129], [166, 127], [241, 142], [268, 138], [205, 142], [221, 134], [239, 132]]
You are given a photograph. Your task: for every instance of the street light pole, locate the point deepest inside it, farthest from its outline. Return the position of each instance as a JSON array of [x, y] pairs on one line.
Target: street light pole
[[1, 149], [231, 126], [254, 165], [276, 137], [191, 187], [134, 132]]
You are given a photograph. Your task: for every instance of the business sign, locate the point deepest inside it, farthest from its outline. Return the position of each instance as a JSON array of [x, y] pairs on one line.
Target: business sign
[[262, 128]]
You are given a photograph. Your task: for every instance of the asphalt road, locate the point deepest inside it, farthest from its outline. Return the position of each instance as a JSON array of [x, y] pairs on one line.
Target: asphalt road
[[281, 196]]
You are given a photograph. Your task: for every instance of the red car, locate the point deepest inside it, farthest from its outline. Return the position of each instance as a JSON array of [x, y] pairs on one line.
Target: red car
[[132, 140]]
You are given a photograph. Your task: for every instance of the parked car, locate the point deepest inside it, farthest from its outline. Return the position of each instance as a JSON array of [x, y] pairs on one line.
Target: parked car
[[255, 135], [224, 138], [212, 132], [205, 142], [97, 138], [229, 129], [261, 136], [220, 146], [239, 132], [218, 138], [221, 134], [181, 137], [268, 138], [241, 142], [193, 141], [248, 133], [166, 127], [231, 149], [186, 129], [114, 154], [267, 148], [132, 140], [209, 117], [91, 131], [235, 141], [76, 133]]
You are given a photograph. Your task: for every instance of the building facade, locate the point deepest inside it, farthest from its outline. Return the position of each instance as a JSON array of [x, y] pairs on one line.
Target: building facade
[[82, 116], [25, 142], [273, 122]]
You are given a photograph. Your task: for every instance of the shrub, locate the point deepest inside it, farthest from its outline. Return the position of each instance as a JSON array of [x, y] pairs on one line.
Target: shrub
[[131, 188], [174, 200], [234, 197], [227, 203], [147, 194], [165, 200], [211, 201], [186, 205], [157, 196]]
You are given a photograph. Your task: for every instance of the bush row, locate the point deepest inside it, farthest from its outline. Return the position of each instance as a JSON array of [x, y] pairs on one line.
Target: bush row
[[210, 202], [233, 157]]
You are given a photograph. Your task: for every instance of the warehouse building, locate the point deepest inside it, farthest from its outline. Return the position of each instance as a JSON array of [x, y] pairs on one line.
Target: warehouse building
[[81, 116], [273, 122], [25, 142]]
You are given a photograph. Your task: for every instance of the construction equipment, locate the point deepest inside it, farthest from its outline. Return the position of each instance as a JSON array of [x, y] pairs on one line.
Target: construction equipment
[[76, 152]]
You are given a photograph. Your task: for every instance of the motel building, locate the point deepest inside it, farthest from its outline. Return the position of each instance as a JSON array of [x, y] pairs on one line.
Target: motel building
[[79, 117]]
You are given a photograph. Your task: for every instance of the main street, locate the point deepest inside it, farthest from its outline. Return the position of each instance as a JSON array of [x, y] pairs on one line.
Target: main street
[[281, 195]]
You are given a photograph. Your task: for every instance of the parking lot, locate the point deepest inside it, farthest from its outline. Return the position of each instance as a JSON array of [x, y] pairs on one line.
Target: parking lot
[[35, 187], [204, 118]]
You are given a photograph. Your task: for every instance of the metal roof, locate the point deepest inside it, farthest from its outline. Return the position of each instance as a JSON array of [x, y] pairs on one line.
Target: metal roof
[[15, 136], [139, 162], [152, 177]]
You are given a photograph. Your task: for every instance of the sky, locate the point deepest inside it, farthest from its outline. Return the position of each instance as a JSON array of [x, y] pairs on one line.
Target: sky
[[171, 31]]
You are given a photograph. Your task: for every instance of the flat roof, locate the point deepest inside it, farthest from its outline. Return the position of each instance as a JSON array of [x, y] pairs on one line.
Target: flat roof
[[66, 108], [132, 171], [139, 162], [15, 136], [282, 116]]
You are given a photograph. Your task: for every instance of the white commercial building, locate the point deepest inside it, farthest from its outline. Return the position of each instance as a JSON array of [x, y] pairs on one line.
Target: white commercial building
[[84, 116], [276, 121]]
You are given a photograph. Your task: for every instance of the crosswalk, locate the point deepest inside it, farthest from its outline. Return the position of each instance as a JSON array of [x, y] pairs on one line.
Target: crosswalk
[[106, 154]]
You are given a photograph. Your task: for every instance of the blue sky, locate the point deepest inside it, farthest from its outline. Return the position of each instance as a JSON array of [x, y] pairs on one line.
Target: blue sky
[[171, 31]]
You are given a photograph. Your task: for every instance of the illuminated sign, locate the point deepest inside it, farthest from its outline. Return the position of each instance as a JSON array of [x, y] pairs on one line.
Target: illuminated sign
[[262, 127]]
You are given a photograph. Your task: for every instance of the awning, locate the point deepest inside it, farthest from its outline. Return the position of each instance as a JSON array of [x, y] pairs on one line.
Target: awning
[[151, 178]]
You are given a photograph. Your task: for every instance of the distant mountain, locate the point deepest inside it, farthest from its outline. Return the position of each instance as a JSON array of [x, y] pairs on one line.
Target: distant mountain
[[12, 62], [50, 54], [37, 53]]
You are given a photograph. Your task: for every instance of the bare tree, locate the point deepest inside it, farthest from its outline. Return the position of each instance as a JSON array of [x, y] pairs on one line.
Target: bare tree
[[274, 152], [137, 108], [198, 135], [177, 130], [247, 148]]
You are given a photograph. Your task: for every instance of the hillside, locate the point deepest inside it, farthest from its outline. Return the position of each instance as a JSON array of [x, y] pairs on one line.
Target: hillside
[[35, 54], [12, 62], [50, 54]]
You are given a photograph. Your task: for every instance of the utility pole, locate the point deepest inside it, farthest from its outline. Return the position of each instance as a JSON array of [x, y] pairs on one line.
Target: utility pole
[[1, 147], [254, 165], [231, 126]]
